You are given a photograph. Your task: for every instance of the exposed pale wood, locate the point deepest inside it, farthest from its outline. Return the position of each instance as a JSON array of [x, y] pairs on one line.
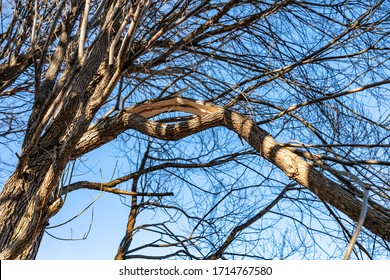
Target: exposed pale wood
[[152, 109]]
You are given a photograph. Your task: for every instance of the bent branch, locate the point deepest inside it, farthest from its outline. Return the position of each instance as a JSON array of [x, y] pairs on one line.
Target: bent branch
[[208, 115]]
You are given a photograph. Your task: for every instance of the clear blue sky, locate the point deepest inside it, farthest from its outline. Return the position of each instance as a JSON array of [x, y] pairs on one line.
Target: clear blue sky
[[107, 215]]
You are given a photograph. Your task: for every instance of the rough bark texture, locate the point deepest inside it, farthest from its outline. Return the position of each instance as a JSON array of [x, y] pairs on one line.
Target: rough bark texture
[[27, 203], [59, 118]]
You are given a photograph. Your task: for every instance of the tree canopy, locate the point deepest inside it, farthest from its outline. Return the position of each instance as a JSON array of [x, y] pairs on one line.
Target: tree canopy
[[251, 129]]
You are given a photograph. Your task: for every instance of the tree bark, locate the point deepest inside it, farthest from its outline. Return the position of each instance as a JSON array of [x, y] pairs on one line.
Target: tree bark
[[60, 115], [27, 202]]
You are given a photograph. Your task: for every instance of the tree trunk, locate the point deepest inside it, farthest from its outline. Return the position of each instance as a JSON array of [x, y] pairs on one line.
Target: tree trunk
[[27, 202]]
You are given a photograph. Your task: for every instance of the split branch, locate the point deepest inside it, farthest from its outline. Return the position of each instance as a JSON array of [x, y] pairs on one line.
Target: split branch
[[208, 115]]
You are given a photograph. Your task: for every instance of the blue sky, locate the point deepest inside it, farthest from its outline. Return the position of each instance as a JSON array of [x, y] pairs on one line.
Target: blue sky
[[104, 221]]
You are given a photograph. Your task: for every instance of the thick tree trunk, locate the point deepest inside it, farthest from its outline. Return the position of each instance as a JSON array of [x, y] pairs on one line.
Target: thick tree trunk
[[60, 115], [27, 202]]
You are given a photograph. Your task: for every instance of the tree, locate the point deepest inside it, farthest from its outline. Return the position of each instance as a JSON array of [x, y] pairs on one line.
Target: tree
[[260, 127]]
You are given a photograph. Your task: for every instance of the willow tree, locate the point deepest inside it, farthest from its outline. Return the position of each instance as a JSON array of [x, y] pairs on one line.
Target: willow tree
[[260, 126]]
